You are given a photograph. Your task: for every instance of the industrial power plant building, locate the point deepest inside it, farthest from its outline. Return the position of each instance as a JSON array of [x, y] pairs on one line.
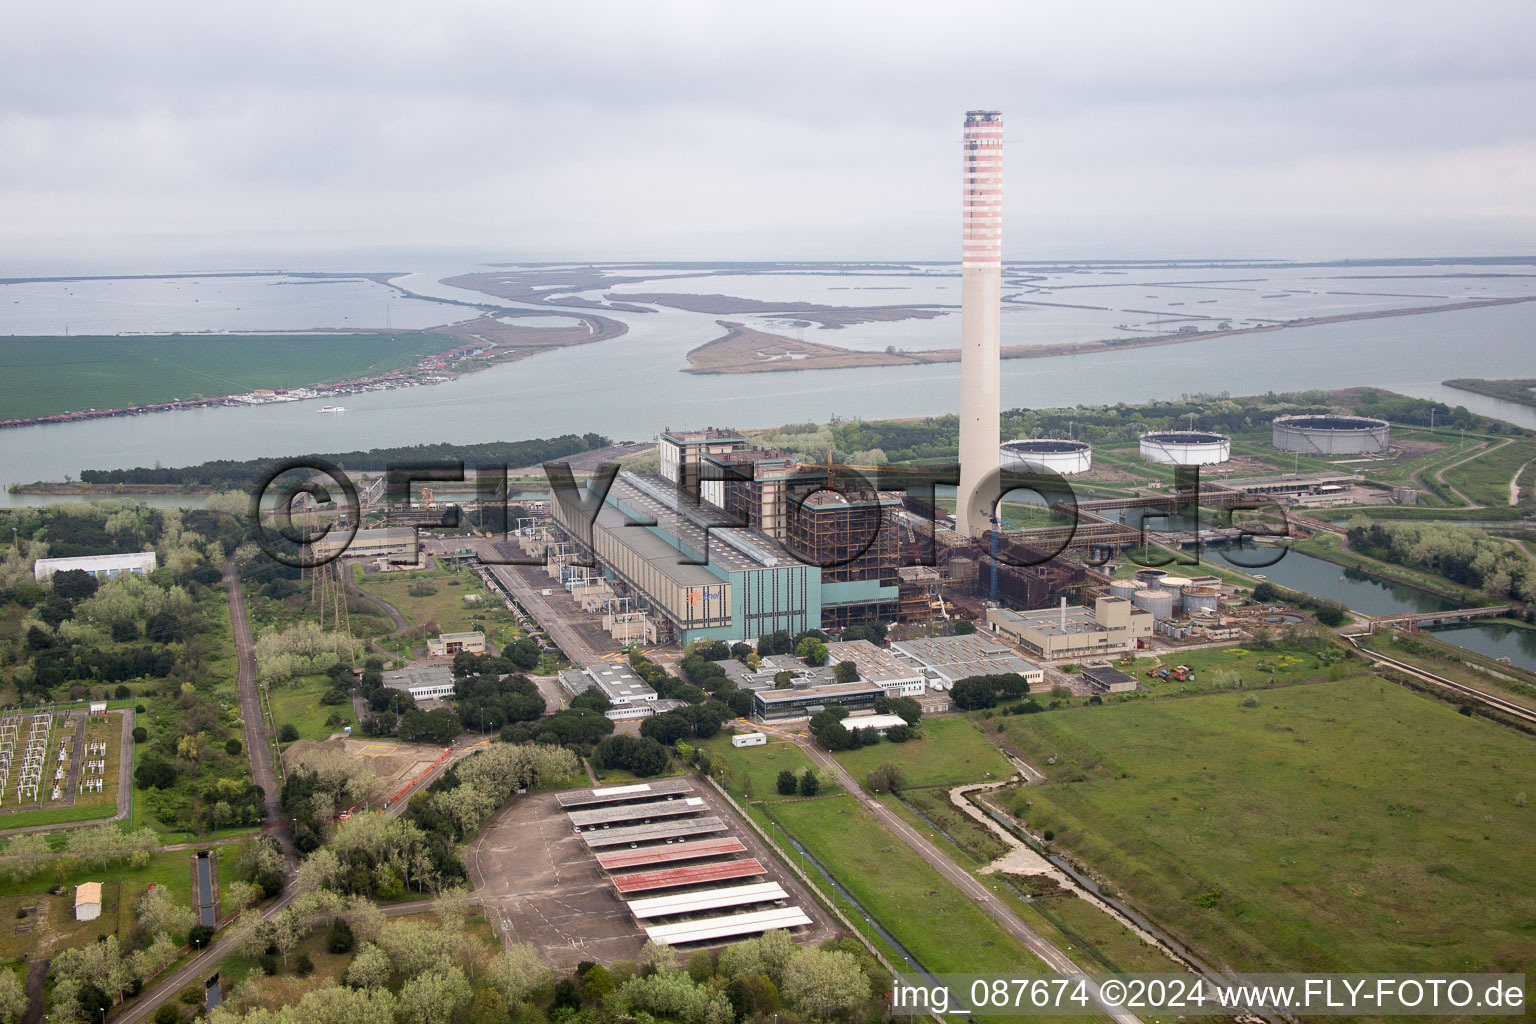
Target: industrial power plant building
[[1330, 435], [1046, 455], [944, 660], [1113, 626], [875, 665], [1185, 447]]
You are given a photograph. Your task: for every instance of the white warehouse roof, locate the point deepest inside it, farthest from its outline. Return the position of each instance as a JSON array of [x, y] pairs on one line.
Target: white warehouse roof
[[109, 565]]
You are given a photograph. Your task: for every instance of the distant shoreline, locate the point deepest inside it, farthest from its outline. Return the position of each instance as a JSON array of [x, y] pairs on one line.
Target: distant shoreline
[[746, 350]]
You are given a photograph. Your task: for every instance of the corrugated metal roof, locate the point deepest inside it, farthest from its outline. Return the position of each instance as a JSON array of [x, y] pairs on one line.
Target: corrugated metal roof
[[707, 899], [622, 794], [636, 812], [652, 833], [643, 881], [732, 924], [667, 854]]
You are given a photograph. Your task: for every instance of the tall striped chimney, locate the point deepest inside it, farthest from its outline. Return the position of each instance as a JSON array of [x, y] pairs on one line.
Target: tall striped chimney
[[981, 273]]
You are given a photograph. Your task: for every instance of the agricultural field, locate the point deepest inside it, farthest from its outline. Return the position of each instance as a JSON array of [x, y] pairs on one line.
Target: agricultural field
[[952, 752], [297, 703], [1342, 826], [46, 375]]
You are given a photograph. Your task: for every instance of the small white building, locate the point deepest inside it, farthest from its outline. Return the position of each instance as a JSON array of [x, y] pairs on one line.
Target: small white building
[[87, 901], [879, 723], [137, 563], [99, 707], [748, 739]]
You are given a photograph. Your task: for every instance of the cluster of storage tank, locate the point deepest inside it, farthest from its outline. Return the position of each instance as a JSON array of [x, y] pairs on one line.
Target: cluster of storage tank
[[1165, 595]]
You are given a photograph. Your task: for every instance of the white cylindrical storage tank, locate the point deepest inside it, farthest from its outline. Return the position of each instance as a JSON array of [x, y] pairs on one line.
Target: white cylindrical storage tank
[[1046, 454], [1151, 577], [1185, 447], [1125, 588], [1175, 585], [1330, 435], [1158, 602], [1201, 601]]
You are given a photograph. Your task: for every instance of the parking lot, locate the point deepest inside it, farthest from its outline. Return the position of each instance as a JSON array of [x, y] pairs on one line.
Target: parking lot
[[540, 883]]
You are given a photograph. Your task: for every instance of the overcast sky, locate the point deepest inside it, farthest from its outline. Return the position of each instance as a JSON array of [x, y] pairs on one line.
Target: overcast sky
[[157, 135]]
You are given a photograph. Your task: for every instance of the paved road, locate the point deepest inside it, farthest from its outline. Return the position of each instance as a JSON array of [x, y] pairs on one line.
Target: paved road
[[1054, 958], [555, 621], [256, 744], [202, 967]]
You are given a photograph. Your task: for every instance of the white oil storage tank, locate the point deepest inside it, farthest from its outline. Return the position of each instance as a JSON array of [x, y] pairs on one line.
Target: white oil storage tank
[[1185, 447], [1046, 454], [1201, 601], [1126, 588], [1330, 435], [1175, 585], [1158, 602]]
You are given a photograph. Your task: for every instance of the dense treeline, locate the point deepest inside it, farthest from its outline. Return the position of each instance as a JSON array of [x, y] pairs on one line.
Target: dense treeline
[[1461, 554], [238, 474], [75, 630]]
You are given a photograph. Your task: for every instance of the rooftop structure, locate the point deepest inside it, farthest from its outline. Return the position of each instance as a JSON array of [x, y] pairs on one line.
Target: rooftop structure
[[712, 928], [653, 833], [981, 273], [707, 899], [388, 540], [804, 702], [1108, 679], [879, 723], [420, 676], [875, 665], [137, 563], [699, 849], [623, 794], [679, 452], [945, 660], [695, 874], [689, 567], [599, 817], [1112, 626], [87, 901], [450, 644], [614, 680]]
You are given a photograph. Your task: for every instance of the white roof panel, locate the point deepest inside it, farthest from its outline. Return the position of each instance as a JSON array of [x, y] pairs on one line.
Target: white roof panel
[[732, 924], [707, 899]]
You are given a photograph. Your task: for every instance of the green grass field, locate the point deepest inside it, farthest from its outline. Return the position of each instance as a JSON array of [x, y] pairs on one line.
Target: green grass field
[[952, 752], [47, 375], [445, 606], [1486, 478], [755, 770], [938, 923], [1338, 826], [298, 704]]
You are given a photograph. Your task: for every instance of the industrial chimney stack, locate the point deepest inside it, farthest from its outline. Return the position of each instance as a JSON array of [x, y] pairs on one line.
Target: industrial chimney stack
[[981, 272]]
